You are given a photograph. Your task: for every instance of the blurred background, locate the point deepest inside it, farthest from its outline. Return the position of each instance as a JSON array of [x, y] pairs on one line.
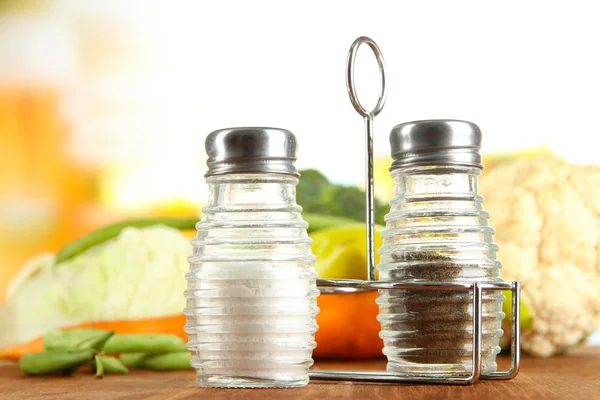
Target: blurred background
[[104, 106]]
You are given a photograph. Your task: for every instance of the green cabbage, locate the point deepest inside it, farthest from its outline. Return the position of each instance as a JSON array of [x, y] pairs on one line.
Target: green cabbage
[[138, 274]]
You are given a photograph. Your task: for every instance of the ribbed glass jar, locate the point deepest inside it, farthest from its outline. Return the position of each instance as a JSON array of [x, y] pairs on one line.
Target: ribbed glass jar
[[251, 297], [437, 231]]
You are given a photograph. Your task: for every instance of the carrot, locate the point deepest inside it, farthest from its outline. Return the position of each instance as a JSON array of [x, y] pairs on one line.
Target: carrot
[[348, 326], [170, 325], [16, 352]]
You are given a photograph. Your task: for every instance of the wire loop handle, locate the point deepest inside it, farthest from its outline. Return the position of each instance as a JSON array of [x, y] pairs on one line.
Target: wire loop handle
[[368, 116], [350, 77]]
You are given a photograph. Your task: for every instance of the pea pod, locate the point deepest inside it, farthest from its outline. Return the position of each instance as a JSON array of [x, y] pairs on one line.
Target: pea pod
[[143, 344], [111, 231], [76, 339], [159, 362], [68, 339], [99, 367], [96, 342], [48, 362], [109, 365]]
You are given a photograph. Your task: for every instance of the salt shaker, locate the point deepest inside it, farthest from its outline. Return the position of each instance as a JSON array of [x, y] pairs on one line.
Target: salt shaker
[[251, 298], [437, 231]]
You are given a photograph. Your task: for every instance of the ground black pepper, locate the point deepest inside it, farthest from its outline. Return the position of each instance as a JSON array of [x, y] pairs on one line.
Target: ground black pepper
[[435, 327]]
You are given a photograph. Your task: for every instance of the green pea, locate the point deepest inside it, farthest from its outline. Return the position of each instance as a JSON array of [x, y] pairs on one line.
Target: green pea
[[109, 365], [160, 362], [48, 362], [143, 344], [111, 231], [77, 339]]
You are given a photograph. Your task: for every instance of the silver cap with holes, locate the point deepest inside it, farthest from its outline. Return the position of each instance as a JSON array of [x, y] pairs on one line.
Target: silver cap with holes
[[436, 142], [251, 150]]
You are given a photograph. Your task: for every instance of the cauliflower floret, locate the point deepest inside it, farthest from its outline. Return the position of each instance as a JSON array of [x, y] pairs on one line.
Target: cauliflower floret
[[546, 212]]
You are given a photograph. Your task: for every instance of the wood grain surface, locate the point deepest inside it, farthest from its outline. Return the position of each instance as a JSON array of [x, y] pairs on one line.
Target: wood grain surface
[[576, 376]]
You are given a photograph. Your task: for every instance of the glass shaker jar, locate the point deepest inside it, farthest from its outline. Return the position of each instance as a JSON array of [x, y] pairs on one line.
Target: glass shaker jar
[[437, 231], [251, 297]]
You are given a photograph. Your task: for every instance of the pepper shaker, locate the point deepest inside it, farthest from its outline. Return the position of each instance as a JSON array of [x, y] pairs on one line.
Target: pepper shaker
[[437, 231], [251, 297]]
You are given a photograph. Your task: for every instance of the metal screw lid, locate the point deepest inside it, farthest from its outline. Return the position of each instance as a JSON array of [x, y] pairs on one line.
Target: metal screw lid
[[251, 150], [436, 142]]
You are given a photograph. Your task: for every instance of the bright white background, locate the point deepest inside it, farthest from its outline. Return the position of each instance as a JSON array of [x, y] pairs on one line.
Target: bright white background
[[152, 78]]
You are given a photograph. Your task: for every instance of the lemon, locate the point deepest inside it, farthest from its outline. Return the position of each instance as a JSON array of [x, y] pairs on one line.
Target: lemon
[[526, 317], [384, 183], [341, 251]]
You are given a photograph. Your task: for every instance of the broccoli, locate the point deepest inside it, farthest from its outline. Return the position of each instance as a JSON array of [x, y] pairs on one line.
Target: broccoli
[[317, 195]]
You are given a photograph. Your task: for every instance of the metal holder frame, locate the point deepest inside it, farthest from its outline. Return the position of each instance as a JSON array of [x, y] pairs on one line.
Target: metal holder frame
[[351, 286], [477, 289]]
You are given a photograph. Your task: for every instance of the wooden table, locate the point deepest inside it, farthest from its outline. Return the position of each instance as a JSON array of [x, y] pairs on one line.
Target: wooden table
[[576, 376]]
